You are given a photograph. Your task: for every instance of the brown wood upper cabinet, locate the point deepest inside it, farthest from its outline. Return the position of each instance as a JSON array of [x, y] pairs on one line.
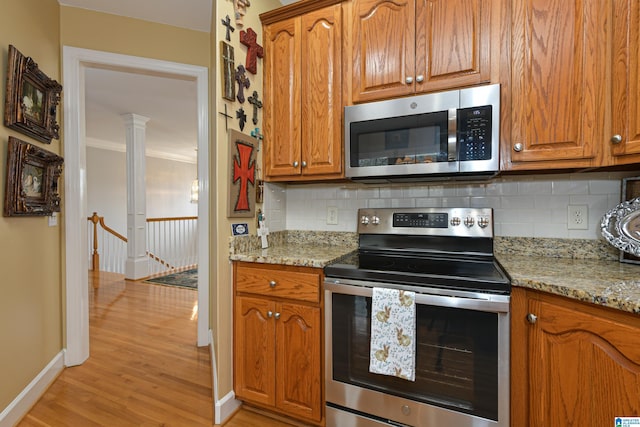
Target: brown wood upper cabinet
[[402, 47], [625, 101], [570, 65], [303, 93]]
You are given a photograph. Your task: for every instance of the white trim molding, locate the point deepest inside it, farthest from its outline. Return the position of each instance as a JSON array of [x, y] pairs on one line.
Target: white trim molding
[[74, 62], [21, 405], [228, 405]]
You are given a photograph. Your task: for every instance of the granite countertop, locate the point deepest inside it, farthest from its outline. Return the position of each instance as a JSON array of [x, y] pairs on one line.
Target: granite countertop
[[294, 254], [608, 283], [299, 248], [560, 267]]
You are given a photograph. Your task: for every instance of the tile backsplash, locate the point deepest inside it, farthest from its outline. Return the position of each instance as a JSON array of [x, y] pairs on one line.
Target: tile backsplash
[[524, 206]]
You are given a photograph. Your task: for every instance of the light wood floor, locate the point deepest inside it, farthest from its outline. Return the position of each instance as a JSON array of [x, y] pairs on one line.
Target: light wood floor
[[144, 369]]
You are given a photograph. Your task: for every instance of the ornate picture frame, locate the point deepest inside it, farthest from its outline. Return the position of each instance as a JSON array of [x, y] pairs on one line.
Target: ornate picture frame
[[31, 186], [242, 170], [31, 100]]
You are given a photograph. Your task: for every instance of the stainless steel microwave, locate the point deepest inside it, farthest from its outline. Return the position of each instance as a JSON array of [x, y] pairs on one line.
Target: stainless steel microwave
[[436, 136]]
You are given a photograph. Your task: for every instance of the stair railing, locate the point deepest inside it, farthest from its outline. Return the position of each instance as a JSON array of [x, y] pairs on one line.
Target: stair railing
[[171, 245], [112, 243]]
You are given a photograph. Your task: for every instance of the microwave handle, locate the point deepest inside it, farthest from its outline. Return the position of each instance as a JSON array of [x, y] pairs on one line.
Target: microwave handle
[[452, 140]]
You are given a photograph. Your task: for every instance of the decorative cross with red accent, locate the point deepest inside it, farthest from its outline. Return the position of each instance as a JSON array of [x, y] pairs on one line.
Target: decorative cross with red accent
[[243, 170], [249, 39]]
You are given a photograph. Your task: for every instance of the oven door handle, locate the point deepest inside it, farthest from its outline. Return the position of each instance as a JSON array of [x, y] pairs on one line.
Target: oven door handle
[[480, 302]]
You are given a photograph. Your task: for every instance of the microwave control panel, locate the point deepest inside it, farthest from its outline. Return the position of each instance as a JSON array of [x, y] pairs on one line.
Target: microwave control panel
[[474, 133]]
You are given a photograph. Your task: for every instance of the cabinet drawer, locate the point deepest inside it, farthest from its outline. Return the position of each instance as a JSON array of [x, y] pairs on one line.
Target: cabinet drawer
[[276, 282]]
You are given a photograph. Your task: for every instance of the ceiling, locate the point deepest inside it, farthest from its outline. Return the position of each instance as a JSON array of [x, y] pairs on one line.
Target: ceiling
[[169, 103]]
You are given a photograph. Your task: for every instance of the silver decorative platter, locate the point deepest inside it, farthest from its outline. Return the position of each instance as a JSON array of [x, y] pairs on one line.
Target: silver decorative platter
[[621, 226]]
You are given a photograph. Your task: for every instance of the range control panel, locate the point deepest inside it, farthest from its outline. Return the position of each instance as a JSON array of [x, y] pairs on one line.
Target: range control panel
[[459, 222]]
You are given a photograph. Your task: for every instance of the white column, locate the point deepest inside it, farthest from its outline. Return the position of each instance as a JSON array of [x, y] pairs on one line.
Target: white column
[[137, 265]]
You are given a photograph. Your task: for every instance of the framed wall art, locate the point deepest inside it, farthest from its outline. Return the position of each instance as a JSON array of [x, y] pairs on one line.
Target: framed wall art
[[31, 99], [242, 166], [31, 186]]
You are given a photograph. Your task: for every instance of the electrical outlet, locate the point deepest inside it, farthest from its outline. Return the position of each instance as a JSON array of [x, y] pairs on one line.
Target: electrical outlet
[[53, 219], [578, 217], [332, 215]]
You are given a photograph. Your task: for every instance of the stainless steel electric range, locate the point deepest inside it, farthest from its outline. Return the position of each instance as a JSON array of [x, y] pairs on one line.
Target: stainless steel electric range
[[462, 305]]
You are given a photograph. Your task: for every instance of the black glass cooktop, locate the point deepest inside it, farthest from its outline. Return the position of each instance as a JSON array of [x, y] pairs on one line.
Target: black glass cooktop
[[480, 274]]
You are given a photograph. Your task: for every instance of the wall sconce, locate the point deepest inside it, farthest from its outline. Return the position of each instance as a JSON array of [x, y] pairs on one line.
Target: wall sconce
[[194, 191]]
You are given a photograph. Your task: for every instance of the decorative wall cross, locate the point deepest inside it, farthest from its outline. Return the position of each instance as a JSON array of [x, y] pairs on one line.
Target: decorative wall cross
[[226, 117], [256, 134], [249, 39], [243, 170], [243, 82], [227, 23], [255, 101], [240, 9], [228, 71], [242, 117]]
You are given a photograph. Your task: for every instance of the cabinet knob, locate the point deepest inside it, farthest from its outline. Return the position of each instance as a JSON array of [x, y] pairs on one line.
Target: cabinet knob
[[295, 164], [532, 318], [419, 78], [409, 80], [616, 139], [304, 164], [277, 316], [518, 147], [269, 314], [273, 283]]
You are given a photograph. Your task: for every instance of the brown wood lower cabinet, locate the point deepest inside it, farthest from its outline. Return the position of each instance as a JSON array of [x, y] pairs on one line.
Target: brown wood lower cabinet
[[572, 363], [278, 339]]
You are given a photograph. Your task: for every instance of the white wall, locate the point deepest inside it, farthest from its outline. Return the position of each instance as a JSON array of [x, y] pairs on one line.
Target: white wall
[[168, 187], [524, 206]]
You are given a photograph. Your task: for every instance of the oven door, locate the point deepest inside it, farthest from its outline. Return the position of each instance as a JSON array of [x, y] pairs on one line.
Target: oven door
[[462, 361]]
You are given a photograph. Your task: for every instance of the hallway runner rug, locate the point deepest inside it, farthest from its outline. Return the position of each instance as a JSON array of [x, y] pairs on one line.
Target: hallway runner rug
[[185, 279]]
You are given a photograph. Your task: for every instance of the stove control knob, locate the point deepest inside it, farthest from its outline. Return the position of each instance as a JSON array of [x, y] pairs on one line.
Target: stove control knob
[[483, 221], [375, 220], [364, 220], [455, 221], [469, 221]]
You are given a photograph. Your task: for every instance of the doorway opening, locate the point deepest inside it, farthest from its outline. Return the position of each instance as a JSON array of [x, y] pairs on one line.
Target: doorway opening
[[75, 62]]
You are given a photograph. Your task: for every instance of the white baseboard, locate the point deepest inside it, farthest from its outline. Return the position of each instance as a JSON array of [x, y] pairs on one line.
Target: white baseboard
[[225, 407], [32, 392]]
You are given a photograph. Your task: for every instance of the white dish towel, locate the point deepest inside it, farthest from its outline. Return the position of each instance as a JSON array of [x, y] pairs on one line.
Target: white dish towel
[[393, 333]]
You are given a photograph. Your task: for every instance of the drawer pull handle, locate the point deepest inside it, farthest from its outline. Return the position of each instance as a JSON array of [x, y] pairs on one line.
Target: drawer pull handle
[[277, 316], [272, 283], [532, 318], [269, 314]]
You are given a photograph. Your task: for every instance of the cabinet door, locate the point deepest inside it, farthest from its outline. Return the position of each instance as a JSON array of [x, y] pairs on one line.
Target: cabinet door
[[322, 91], [282, 96], [584, 368], [298, 358], [383, 48], [254, 344], [625, 103], [452, 43], [558, 81]]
